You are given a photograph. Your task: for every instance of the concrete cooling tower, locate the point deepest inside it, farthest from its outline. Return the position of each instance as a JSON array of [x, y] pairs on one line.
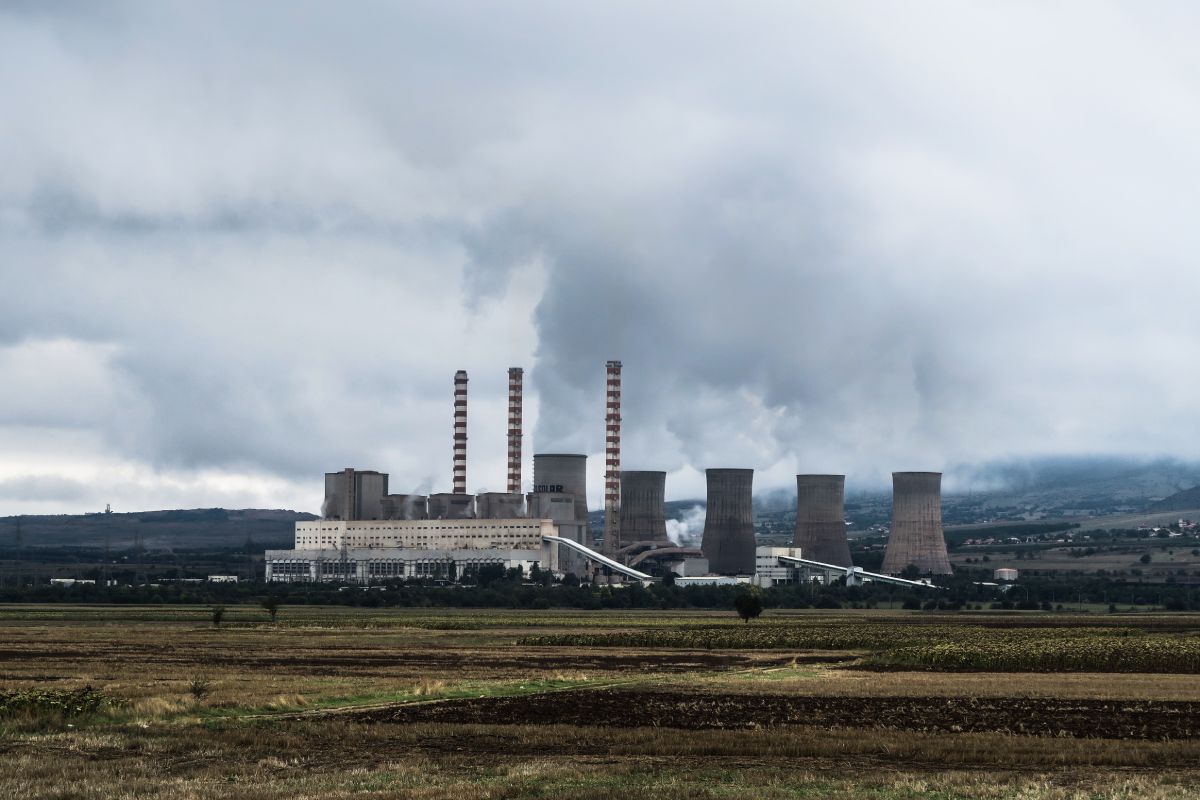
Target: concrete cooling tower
[[729, 522], [917, 536], [820, 520], [642, 516], [559, 473]]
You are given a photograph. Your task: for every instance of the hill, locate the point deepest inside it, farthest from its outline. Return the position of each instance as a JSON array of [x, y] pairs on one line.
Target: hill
[[157, 530], [1180, 501]]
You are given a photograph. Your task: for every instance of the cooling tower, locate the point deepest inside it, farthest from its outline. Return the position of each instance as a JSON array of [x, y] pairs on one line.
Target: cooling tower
[[559, 473], [451, 506], [642, 518], [917, 536], [500, 505], [820, 520], [729, 522], [405, 506]]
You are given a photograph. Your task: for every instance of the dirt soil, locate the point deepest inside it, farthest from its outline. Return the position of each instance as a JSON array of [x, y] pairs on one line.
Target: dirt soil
[[435, 660], [1122, 719]]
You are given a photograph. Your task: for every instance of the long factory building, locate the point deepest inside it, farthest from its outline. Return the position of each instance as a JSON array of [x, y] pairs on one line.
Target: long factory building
[[367, 535]]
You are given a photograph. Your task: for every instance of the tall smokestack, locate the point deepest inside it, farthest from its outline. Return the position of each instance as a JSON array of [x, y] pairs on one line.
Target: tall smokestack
[[460, 432], [729, 522], [515, 380], [612, 459], [917, 536], [642, 517], [820, 521]]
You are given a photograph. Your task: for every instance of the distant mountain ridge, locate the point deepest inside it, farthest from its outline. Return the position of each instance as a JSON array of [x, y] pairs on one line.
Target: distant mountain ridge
[[156, 530], [1180, 501]]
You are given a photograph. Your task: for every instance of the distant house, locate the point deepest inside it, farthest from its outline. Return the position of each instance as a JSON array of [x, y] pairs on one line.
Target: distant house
[[1005, 574]]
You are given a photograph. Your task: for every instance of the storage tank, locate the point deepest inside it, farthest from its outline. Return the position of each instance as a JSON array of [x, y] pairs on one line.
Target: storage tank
[[917, 536], [729, 542], [642, 516], [820, 519]]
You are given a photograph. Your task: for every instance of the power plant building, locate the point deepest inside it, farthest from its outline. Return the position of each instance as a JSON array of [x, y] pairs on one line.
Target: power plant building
[[405, 506], [500, 505], [354, 494], [729, 541], [451, 506], [820, 519], [439, 537], [560, 493], [917, 538]]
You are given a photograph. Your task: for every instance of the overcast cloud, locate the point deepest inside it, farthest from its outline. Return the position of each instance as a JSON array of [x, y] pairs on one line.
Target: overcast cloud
[[245, 243]]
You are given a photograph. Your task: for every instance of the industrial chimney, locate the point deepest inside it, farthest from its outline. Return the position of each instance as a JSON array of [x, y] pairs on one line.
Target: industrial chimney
[[820, 523], [515, 381], [460, 432], [642, 516], [917, 536], [729, 542], [612, 458]]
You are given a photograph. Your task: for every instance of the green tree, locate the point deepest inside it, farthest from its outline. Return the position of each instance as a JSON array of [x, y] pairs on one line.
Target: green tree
[[748, 605]]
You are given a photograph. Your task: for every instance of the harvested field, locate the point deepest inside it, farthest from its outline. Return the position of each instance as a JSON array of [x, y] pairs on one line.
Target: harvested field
[[463, 705], [1153, 720]]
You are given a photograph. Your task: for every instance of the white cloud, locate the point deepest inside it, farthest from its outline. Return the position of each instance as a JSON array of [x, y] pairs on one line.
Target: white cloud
[[253, 242]]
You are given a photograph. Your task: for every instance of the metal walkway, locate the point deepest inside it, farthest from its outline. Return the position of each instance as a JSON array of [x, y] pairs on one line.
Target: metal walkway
[[592, 555]]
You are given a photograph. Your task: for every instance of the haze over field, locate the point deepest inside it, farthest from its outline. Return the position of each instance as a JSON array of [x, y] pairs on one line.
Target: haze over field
[[243, 244]]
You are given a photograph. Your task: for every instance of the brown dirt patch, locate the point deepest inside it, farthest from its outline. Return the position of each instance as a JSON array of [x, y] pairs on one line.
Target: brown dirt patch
[[1123, 719]]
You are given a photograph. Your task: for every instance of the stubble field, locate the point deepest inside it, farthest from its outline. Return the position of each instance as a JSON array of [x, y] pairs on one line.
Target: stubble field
[[338, 702]]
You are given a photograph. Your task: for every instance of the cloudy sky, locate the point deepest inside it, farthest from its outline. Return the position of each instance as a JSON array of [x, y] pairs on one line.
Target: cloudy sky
[[245, 243]]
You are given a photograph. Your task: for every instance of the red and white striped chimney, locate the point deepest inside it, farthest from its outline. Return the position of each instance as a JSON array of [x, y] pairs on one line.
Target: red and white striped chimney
[[460, 432], [612, 459], [515, 379]]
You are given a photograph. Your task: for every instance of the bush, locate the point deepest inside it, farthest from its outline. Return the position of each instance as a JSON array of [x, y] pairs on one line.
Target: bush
[[56, 702], [199, 686]]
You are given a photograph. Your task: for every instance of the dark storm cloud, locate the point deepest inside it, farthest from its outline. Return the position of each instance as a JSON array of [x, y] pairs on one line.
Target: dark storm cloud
[[251, 242]]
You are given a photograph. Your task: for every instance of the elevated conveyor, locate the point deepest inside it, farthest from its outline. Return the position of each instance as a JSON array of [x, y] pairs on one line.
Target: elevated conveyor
[[592, 555], [856, 574]]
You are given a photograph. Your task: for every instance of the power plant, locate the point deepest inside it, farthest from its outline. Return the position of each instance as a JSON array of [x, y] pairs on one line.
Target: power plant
[[917, 538], [367, 534], [820, 524], [729, 542]]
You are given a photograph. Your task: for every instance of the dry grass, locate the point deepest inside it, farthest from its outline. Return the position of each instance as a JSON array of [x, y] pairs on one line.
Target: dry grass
[[821, 680], [159, 744], [333, 759]]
